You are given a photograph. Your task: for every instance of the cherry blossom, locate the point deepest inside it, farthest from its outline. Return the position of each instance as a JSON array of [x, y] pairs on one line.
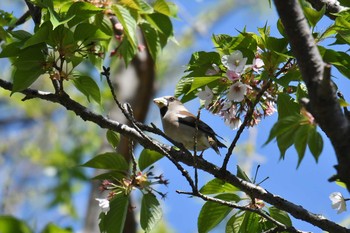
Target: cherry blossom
[[235, 61], [233, 75], [237, 92], [206, 95], [338, 202], [103, 204], [257, 64]]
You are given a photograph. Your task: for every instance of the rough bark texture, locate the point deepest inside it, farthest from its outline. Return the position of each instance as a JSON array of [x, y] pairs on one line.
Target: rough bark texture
[[323, 103]]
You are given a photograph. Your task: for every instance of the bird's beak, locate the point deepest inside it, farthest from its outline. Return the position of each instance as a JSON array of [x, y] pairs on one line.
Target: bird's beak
[[160, 102]]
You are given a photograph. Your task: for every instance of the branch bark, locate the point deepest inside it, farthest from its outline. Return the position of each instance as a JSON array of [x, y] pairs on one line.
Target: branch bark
[[251, 189], [323, 103]]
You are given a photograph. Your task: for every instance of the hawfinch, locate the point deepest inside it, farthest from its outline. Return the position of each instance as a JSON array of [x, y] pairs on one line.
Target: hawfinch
[[180, 125]]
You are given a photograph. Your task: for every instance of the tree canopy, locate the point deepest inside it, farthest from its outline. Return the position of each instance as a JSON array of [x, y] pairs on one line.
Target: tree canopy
[[242, 78]]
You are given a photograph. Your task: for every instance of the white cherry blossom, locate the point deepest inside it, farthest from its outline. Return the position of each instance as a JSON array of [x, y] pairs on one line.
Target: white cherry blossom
[[235, 61], [103, 204], [237, 92], [338, 202]]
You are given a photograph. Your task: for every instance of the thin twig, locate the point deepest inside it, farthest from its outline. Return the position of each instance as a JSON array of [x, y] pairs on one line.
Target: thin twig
[[249, 115], [258, 211], [195, 150], [132, 156]]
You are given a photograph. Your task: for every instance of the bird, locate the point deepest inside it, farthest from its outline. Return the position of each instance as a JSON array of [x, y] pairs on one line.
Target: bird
[[180, 125]]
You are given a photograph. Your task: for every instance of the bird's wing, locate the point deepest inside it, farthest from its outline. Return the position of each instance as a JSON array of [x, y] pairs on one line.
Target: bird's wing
[[189, 119]]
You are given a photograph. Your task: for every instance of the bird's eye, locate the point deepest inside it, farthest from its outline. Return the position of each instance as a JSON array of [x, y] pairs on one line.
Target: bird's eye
[[171, 99]]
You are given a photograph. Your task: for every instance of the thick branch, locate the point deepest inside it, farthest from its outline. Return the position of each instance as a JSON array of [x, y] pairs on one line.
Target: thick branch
[[323, 103], [251, 189]]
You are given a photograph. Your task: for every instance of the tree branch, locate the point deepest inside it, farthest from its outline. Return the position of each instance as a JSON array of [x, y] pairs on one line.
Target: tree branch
[[182, 156], [323, 104]]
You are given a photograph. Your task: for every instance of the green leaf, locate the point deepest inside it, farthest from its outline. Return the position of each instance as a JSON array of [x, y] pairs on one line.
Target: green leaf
[[201, 82], [280, 215], [217, 186], [183, 86], [81, 11], [162, 24], [114, 220], [339, 59], [88, 87], [244, 222], [201, 61], [28, 67], [151, 212], [139, 5], [56, 20], [286, 106], [22, 79], [127, 50], [9, 224], [213, 213], [40, 36], [108, 160], [285, 141], [21, 34], [128, 22], [165, 8], [113, 138], [313, 15], [152, 39], [11, 50], [241, 174], [88, 32], [52, 228], [250, 223], [147, 158], [283, 125], [110, 175], [315, 143], [300, 141]]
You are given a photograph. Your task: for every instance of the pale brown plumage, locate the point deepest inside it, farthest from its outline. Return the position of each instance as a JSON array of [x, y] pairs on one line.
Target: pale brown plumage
[[179, 124]]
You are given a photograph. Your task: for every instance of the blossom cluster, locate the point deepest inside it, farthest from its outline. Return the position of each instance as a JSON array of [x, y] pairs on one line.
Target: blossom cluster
[[243, 86], [141, 181]]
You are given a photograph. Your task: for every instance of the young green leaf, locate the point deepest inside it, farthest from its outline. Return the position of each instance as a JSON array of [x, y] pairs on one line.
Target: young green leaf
[[52, 228], [315, 143], [88, 87], [9, 224], [147, 158], [108, 160], [300, 141], [286, 106], [241, 174], [152, 39], [151, 212], [114, 220], [128, 22], [113, 138], [165, 8], [217, 186], [213, 213], [280, 215]]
